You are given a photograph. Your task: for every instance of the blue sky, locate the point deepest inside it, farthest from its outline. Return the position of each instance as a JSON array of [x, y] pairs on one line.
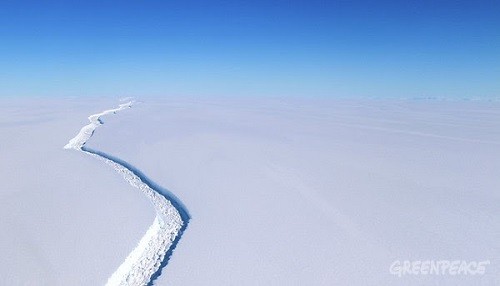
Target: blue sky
[[250, 48]]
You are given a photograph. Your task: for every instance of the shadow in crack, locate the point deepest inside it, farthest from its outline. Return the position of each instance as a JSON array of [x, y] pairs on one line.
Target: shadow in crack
[[185, 216]]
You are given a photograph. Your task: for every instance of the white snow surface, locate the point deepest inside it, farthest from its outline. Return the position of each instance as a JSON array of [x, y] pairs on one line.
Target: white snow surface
[[280, 191], [65, 219]]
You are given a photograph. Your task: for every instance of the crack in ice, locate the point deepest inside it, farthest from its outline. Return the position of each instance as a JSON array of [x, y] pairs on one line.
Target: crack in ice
[[144, 264]]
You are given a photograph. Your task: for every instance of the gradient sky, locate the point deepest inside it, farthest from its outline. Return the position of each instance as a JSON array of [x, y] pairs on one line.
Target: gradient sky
[[250, 48]]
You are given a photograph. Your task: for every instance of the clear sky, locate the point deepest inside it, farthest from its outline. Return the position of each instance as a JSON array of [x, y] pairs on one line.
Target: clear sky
[[331, 48]]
